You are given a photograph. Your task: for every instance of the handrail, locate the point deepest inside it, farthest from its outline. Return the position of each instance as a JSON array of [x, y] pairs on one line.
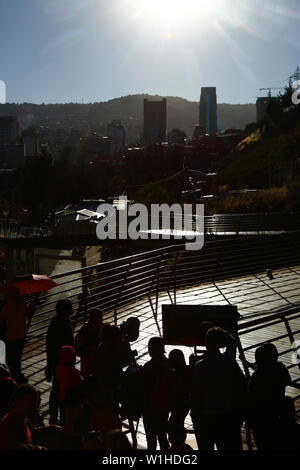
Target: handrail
[[119, 286], [219, 260], [216, 223], [224, 271]]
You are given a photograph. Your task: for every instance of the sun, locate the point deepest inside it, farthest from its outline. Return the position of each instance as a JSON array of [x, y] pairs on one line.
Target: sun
[[177, 14], [167, 10]]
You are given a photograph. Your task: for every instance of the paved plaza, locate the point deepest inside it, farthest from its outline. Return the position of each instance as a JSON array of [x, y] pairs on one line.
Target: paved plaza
[[256, 296]]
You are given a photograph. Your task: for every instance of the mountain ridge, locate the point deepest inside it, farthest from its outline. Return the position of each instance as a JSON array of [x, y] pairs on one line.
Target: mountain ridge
[[181, 113]]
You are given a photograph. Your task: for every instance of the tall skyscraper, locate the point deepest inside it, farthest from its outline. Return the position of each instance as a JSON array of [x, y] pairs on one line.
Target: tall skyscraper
[[208, 110], [155, 121], [31, 145], [9, 129]]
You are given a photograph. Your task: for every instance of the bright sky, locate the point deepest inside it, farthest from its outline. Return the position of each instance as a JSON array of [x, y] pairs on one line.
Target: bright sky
[[94, 50]]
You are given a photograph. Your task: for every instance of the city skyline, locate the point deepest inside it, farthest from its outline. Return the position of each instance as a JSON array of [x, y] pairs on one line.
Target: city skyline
[[96, 50]]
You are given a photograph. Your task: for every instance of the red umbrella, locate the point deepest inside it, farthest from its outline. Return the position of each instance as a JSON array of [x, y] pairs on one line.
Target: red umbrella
[[31, 284]]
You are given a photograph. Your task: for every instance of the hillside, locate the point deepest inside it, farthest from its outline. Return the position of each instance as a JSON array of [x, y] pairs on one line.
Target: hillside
[[264, 162], [181, 113]]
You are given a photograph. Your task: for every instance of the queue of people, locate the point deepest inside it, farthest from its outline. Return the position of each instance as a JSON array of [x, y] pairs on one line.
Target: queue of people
[[87, 406]]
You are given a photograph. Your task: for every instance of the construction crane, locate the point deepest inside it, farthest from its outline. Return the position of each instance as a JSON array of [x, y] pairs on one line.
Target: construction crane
[[270, 88]]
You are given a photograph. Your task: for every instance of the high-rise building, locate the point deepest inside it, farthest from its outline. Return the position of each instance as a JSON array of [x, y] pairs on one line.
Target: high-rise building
[[208, 110], [116, 134], [155, 121], [31, 143], [9, 128]]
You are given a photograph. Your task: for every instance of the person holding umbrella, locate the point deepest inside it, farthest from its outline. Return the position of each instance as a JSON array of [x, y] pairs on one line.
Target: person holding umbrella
[[16, 316]]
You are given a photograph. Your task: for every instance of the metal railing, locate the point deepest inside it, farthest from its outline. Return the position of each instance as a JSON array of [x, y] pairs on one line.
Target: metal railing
[[259, 223], [235, 224], [282, 329], [14, 229], [224, 271], [112, 285]]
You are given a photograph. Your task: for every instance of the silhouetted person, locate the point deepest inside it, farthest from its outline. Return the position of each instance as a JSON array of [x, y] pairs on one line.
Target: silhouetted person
[[288, 434], [180, 388], [110, 357], [218, 395], [130, 329], [156, 386], [116, 440], [266, 392], [75, 422], [67, 377], [130, 394], [60, 333], [16, 315], [98, 399], [15, 428], [7, 387], [177, 436], [93, 441], [88, 338], [106, 363], [270, 274]]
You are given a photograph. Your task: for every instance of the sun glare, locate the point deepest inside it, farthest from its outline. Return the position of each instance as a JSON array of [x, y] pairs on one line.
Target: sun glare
[[168, 10], [178, 14]]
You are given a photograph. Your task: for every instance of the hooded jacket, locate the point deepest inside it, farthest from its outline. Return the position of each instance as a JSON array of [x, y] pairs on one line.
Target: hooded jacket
[[66, 374]]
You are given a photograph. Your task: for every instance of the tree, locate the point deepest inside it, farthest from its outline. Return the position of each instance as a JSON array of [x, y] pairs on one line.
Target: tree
[[154, 193]]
